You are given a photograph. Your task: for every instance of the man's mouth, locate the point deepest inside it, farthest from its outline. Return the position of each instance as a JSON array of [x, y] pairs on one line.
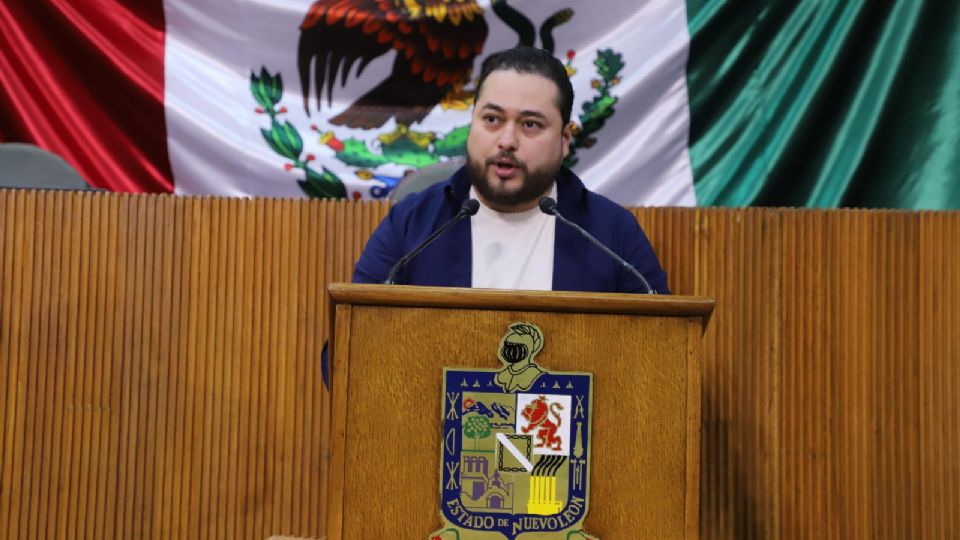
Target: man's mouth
[[505, 168]]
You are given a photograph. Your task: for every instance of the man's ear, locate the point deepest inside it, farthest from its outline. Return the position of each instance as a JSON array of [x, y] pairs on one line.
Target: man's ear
[[566, 137]]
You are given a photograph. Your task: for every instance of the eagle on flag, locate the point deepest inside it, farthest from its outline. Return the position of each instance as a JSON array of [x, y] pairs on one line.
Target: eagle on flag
[[436, 43]]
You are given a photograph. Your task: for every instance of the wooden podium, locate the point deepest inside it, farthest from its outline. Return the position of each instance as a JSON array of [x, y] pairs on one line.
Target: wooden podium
[[389, 345]]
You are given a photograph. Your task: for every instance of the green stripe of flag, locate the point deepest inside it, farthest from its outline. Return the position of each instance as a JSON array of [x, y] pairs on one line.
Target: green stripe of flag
[[825, 104]]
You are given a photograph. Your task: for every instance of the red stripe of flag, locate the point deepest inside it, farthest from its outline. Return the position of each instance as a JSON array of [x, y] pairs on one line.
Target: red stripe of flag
[[84, 79]]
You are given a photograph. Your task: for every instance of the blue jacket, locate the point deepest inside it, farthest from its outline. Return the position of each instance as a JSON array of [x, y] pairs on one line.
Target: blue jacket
[[578, 265]]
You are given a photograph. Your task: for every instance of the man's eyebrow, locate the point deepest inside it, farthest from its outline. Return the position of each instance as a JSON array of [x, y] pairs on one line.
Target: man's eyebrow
[[525, 113]]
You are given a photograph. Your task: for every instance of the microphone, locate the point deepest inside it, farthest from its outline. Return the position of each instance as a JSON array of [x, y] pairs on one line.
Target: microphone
[[549, 206], [469, 208]]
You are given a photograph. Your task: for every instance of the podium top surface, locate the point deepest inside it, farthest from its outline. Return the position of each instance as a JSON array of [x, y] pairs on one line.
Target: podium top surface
[[511, 300]]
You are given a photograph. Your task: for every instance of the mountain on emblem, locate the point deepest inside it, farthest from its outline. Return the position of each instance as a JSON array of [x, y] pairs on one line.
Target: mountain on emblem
[[516, 447]]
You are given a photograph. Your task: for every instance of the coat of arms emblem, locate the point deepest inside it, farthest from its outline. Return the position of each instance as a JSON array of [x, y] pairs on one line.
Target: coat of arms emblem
[[515, 447]]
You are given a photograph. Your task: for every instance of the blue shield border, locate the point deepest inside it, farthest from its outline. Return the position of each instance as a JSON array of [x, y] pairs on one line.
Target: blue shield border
[[456, 381]]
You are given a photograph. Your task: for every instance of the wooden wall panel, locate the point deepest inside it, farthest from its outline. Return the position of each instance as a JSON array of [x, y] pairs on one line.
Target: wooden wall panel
[[159, 365], [938, 355]]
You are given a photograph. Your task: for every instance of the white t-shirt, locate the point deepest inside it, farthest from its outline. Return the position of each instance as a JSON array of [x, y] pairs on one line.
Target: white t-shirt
[[514, 250]]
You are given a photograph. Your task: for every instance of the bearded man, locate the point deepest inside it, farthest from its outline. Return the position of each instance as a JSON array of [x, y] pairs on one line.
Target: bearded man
[[520, 132]]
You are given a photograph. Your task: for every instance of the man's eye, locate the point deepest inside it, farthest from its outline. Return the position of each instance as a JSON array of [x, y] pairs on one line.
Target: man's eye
[[490, 119], [532, 124]]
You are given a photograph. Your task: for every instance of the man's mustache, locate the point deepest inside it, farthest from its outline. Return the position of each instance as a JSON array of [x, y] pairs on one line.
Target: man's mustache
[[508, 156]]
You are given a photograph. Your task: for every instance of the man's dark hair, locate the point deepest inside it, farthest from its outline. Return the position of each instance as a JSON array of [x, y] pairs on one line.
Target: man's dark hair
[[537, 62]]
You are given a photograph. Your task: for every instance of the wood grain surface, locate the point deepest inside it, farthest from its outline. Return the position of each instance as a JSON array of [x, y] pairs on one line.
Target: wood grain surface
[[159, 372], [391, 372]]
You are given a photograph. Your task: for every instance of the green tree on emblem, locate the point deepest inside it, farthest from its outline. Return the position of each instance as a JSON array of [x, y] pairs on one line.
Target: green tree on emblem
[[476, 427]]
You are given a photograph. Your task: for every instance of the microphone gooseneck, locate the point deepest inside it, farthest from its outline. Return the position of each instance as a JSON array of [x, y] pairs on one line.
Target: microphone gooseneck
[[467, 209], [549, 206]]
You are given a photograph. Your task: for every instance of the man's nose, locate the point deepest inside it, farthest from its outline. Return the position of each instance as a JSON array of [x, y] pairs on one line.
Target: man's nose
[[507, 139]]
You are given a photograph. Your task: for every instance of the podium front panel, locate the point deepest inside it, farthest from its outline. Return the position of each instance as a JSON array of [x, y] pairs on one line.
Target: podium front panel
[[389, 364]]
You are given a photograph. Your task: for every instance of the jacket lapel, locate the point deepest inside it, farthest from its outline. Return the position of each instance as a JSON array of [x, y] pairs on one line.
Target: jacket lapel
[[568, 245], [461, 260]]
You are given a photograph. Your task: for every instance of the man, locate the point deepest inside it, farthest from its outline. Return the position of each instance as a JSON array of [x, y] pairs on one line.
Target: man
[[520, 133]]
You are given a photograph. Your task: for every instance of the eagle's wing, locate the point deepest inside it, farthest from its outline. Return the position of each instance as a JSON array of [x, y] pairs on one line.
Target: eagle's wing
[[435, 52], [336, 33], [442, 50]]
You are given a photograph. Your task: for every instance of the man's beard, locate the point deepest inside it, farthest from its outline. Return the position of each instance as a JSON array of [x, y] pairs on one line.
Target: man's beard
[[535, 184]]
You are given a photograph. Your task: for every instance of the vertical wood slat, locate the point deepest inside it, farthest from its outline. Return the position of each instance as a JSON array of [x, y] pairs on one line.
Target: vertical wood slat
[[21, 260], [159, 365]]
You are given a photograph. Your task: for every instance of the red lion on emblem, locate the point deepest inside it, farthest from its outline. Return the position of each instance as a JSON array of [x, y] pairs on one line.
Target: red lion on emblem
[[537, 413]]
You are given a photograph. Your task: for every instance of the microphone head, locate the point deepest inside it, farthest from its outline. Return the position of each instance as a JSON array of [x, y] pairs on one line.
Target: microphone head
[[470, 207], [548, 205]]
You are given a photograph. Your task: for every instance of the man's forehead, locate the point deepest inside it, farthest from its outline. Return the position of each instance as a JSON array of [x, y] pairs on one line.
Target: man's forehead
[[507, 88]]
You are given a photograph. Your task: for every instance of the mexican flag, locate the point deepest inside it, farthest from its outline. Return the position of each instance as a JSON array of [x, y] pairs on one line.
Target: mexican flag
[[678, 103]]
